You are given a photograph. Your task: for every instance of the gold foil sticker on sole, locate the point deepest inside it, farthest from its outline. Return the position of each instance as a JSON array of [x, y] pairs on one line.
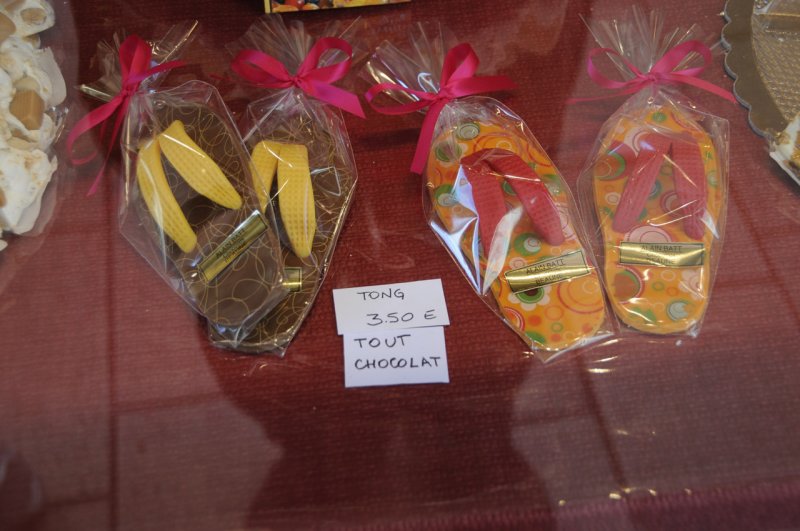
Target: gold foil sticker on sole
[[548, 271], [662, 254], [293, 279], [233, 246]]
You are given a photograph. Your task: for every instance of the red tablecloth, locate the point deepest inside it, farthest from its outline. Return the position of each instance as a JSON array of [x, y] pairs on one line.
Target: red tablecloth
[[112, 398]]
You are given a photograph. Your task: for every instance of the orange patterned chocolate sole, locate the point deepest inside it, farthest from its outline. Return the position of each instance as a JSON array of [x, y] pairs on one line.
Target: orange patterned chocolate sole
[[563, 304], [658, 276]]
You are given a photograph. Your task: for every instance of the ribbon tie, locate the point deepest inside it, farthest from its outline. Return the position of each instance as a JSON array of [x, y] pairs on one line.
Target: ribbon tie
[[662, 72], [457, 80], [135, 58], [266, 71]]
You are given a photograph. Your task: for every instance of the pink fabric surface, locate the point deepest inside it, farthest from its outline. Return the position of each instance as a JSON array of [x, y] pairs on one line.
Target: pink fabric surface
[[129, 419]]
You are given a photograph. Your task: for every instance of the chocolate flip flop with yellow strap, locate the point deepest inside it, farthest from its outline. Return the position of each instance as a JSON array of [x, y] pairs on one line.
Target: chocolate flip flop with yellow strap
[[193, 198], [660, 204], [505, 208], [311, 187]]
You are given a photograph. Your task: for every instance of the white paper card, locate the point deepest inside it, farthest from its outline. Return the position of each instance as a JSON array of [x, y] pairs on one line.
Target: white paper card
[[390, 306], [414, 356]]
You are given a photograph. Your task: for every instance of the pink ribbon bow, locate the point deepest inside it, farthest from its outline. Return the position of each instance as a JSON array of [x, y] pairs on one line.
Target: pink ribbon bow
[[266, 71], [457, 80], [661, 72], [134, 57]]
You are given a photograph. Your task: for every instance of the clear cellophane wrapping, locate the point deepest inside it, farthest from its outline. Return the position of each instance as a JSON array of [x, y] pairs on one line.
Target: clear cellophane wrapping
[[654, 189], [289, 117], [501, 208], [224, 259], [188, 203]]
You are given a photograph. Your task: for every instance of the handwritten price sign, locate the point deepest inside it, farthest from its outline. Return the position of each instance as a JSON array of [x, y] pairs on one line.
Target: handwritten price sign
[[393, 334], [390, 306]]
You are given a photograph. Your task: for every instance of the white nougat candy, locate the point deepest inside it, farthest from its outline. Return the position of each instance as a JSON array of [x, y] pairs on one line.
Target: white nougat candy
[[21, 60], [23, 177], [30, 84], [30, 16], [6, 86], [23, 67], [31, 213], [785, 150], [50, 69]]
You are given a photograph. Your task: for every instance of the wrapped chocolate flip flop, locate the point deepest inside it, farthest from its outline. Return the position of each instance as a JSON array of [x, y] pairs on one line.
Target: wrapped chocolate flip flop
[[301, 160], [496, 200], [193, 195], [657, 180], [189, 205], [659, 200]]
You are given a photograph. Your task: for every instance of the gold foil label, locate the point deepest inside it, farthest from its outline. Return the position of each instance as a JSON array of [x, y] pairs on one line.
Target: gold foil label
[[548, 271], [293, 279], [234, 245], [662, 254]]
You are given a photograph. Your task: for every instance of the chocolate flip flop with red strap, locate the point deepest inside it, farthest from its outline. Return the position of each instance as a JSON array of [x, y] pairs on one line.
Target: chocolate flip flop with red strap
[[505, 208], [660, 202]]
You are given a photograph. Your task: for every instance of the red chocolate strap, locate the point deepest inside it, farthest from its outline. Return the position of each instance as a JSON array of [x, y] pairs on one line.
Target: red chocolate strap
[[654, 149], [489, 201], [532, 193]]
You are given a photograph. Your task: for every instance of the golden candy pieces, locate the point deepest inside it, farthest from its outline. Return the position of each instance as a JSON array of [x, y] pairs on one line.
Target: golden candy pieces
[[28, 107], [7, 27]]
